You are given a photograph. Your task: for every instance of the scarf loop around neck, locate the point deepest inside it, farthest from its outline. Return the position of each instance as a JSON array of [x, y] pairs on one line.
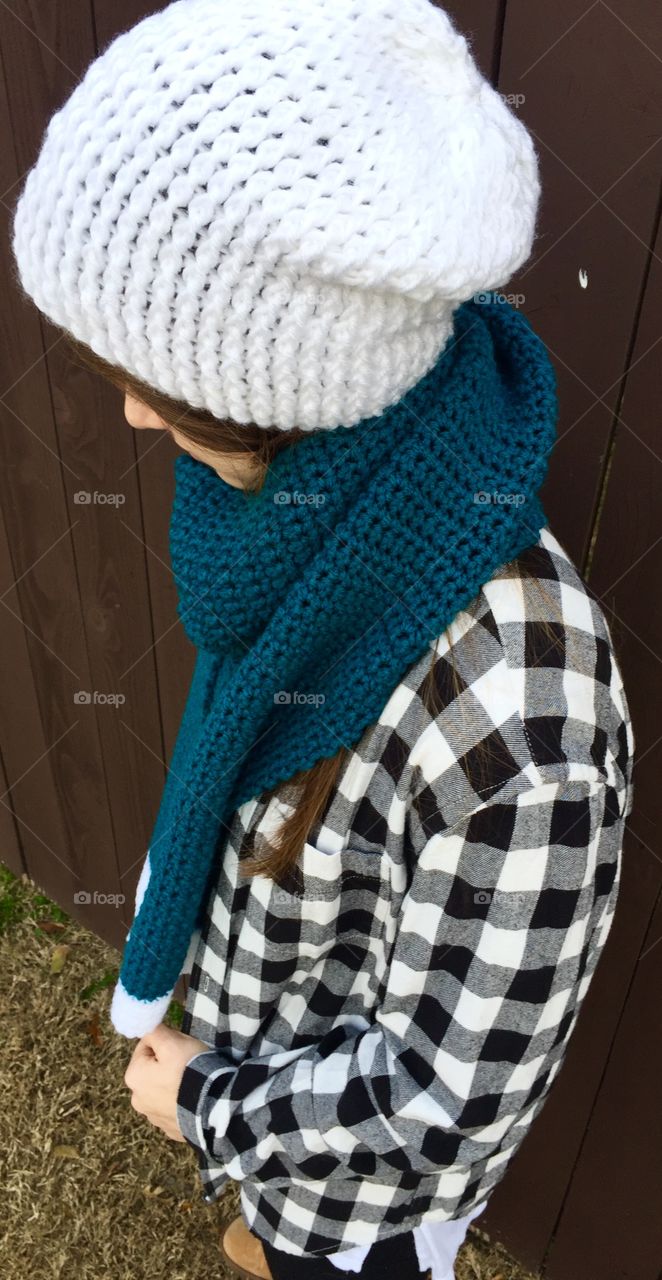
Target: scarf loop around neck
[[308, 602]]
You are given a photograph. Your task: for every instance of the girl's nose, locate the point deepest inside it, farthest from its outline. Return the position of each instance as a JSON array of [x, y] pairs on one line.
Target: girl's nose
[[140, 416]]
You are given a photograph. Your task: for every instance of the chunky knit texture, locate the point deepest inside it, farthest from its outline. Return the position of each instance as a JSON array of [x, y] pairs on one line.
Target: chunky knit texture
[[309, 600], [271, 210]]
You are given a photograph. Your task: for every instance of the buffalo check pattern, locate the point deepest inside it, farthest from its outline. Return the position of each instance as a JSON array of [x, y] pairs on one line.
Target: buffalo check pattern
[[386, 1024]]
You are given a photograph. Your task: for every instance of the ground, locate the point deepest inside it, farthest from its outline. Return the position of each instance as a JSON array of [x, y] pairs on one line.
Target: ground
[[92, 1190]]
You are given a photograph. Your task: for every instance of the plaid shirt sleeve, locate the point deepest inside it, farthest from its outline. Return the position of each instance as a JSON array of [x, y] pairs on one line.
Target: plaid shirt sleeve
[[500, 929]]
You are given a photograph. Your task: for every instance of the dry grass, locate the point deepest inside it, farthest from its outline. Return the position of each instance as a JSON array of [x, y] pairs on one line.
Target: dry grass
[[90, 1189]]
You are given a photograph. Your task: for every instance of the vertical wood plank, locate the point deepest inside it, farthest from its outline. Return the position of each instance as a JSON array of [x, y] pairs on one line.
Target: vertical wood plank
[[592, 102], [619, 1233], [83, 589], [14, 656], [37, 555], [111, 553], [10, 845], [29, 794]]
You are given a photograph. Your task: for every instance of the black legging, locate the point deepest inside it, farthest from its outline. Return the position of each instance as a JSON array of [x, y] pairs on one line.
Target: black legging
[[395, 1256]]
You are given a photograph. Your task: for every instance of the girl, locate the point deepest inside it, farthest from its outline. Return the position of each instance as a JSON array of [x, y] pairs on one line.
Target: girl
[[388, 850]]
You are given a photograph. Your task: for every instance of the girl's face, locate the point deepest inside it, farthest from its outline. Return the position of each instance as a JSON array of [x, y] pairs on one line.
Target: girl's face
[[235, 469]]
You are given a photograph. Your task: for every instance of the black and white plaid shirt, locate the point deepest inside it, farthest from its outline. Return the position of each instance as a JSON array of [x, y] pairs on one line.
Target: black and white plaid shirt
[[385, 1029]]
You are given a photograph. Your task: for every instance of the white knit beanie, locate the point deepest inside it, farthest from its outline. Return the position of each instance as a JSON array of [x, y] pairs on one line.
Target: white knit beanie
[[270, 210]]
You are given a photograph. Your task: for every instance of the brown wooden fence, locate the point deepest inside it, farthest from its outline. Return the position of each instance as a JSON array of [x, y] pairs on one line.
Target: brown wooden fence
[[89, 606]]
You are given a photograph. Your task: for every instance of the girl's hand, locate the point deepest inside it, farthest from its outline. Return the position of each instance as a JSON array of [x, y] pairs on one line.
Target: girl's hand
[[154, 1075]]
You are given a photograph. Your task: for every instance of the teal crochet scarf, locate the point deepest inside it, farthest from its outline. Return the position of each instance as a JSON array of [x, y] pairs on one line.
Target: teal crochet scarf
[[308, 601]]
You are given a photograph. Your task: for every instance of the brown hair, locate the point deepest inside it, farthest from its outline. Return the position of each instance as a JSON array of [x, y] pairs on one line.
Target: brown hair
[[308, 791], [200, 427]]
